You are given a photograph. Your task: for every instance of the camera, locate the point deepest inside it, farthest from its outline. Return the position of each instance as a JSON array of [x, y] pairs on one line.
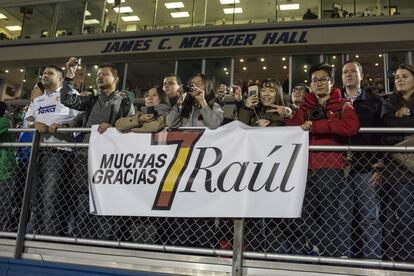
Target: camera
[[316, 113], [228, 90], [151, 110], [188, 88]]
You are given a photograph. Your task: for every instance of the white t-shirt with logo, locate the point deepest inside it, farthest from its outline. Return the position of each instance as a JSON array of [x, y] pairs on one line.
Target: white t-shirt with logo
[[48, 109]]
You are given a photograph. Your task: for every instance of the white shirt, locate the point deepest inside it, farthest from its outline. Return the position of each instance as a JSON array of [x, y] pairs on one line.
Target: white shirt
[[48, 109]]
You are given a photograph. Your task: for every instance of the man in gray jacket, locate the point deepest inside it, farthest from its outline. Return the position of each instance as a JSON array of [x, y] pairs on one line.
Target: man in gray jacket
[[103, 110]]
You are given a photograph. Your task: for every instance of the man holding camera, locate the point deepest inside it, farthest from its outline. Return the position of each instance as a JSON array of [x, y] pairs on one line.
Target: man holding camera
[[103, 110], [328, 118]]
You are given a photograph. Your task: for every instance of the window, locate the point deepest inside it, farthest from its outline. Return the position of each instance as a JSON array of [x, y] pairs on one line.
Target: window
[[187, 68], [129, 16], [335, 60], [301, 66], [144, 75], [373, 68], [256, 69], [293, 11], [69, 18], [178, 16], [31, 77], [92, 23], [401, 7], [10, 23], [37, 21]]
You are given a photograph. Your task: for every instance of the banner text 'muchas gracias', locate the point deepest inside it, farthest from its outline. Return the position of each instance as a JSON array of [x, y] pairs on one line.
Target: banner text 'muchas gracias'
[[207, 41]]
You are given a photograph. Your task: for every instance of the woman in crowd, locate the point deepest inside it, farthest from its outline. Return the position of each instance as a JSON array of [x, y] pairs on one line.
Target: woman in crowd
[[398, 111], [196, 107], [151, 118], [267, 108]]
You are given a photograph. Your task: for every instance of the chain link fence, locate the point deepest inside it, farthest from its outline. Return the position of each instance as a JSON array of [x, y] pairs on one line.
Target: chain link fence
[[358, 210], [13, 163]]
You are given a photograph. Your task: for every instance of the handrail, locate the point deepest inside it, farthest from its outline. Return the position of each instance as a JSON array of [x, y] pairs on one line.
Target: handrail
[[361, 130]]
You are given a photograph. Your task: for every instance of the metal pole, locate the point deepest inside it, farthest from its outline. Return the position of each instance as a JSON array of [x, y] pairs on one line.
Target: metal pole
[[25, 211], [237, 267]]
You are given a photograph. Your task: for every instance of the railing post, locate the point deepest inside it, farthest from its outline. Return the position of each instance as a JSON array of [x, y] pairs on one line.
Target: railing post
[[237, 267], [25, 210]]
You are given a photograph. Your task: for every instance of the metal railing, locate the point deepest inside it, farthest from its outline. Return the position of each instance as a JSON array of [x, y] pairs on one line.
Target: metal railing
[[344, 215]]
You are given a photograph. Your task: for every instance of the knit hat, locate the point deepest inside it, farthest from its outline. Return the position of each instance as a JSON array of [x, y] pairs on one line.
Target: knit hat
[[3, 107]]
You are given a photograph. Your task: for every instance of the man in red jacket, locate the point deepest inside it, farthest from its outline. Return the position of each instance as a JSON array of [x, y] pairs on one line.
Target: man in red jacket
[[325, 223]]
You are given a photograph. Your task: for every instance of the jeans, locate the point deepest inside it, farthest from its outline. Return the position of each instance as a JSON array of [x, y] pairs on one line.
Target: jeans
[[366, 204], [326, 216], [53, 196]]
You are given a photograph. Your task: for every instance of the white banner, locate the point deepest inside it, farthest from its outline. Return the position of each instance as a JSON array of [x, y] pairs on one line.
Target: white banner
[[233, 171]]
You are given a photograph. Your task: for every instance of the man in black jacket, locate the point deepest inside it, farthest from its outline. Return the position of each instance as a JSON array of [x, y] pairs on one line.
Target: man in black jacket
[[364, 175]]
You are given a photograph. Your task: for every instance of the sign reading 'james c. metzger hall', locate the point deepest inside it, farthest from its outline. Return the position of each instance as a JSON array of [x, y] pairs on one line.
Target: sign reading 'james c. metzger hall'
[[233, 171]]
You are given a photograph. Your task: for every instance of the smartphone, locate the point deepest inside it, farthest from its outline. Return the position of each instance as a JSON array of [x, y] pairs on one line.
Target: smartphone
[[253, 90], [79, 61]]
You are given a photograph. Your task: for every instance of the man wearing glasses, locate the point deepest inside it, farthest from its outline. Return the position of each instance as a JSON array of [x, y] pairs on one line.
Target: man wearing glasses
[[325, 223]]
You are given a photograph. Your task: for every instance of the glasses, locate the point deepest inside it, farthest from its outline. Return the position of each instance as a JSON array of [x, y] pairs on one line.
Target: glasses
[[165, 84], [298, 88], [321, 80]]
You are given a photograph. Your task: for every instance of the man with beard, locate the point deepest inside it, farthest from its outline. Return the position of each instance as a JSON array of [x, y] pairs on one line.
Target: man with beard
[[46, 113], [103, 110]]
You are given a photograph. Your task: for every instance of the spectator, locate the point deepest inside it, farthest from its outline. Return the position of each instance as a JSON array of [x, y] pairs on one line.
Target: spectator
[[172, 87], [299, 92], [328, 118], [309, 15], [151, 118], [102, 110], [196, 107], [398, 111], [7, 171], [51, 210], [111, 27], [364, 176], [266, 109], [22, 157]]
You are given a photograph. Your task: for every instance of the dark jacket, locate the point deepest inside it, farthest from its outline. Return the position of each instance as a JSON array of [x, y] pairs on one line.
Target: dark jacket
[[340, 120], [391, 105], [368, 106]]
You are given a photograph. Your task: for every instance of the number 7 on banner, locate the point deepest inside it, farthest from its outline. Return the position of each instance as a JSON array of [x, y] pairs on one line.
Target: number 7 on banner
[[185, 139]]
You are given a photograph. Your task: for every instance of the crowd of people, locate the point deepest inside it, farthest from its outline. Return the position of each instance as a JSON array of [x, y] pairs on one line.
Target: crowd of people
[[368, 187]]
